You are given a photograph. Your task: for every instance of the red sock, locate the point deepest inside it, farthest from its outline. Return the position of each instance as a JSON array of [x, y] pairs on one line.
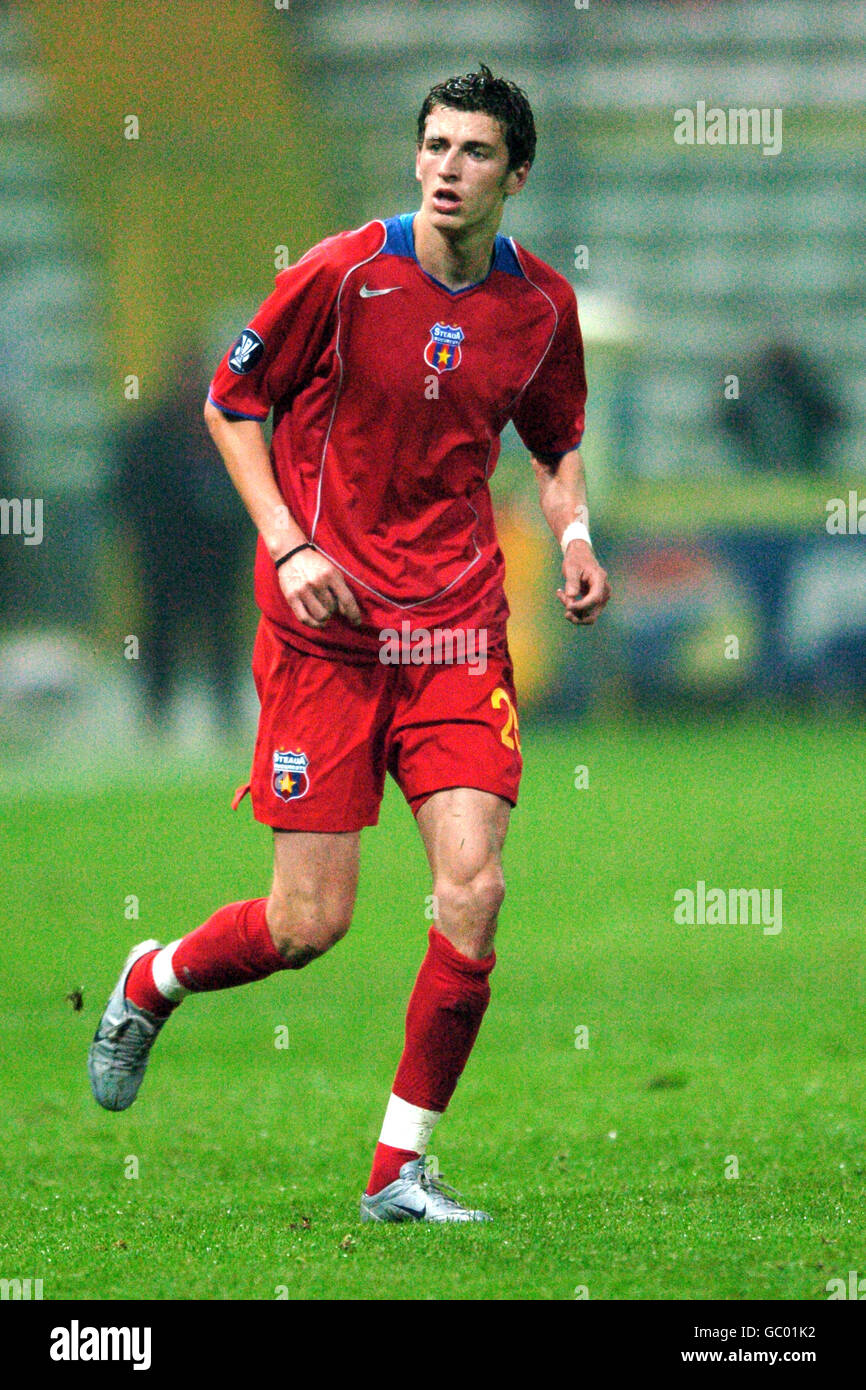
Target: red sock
[[232, 947], [445, 1011], [141, 990], [387, 1163]]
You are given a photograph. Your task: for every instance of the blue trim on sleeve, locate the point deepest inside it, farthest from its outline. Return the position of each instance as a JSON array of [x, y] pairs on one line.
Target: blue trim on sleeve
[[557, 454], [236, 414], [399, 241]]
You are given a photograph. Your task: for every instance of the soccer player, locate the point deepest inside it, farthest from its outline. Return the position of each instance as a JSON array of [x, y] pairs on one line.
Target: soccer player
[[392, 356]]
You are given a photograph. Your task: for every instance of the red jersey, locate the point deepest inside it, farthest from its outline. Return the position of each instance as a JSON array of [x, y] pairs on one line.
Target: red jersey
[[389, 392]]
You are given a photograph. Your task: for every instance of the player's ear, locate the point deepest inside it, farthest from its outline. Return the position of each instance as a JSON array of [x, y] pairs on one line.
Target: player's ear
[[418, 163], [515, 179]]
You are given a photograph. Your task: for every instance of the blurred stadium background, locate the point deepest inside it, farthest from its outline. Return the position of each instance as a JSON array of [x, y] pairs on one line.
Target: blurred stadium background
[[262, 128]]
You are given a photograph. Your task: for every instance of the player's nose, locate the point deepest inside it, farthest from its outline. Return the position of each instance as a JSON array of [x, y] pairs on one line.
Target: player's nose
[[448, 167]]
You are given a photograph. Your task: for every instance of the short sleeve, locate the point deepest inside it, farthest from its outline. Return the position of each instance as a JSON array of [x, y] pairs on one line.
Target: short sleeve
[[276, 354], [550, 412]]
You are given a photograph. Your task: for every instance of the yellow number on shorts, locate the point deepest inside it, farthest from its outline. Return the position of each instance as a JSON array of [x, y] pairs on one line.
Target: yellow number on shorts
[[510, 731]]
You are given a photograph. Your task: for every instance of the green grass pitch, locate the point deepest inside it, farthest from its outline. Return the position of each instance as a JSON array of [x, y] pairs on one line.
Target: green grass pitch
[[606, 1167]]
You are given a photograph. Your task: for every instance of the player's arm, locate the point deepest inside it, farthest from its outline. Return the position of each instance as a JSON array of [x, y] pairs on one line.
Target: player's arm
[[562, 493], [312, 586]]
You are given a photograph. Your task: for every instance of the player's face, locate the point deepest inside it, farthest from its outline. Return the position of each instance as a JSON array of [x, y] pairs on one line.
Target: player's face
[[462, 167]]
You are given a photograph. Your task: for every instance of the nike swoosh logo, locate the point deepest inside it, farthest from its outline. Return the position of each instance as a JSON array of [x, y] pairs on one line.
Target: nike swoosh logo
[[368, 294], [411, 1209]]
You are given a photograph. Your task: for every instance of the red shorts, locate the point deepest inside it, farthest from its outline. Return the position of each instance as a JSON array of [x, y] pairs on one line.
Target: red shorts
[[329, 731]]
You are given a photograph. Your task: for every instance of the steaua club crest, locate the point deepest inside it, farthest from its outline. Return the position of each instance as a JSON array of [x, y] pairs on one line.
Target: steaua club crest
[[291, 779], [443, 352]]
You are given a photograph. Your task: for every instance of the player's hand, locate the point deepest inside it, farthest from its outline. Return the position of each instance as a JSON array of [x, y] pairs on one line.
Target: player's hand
[[586, 589], [315, 589]]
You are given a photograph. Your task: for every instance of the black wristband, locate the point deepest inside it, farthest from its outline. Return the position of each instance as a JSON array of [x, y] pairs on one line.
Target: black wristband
[[307, 545]]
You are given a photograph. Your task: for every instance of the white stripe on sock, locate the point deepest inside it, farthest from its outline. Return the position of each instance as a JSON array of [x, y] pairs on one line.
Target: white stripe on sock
[[163, 974], [407, 1126]]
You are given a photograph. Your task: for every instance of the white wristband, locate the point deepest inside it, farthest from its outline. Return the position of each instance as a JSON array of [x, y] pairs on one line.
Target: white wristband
[[575, 531]]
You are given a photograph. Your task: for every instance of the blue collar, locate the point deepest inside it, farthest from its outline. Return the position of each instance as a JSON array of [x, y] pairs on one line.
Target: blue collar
[[400, 241]]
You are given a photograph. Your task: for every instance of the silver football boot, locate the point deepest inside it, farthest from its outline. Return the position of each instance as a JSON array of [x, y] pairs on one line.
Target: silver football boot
[[121, 1045], [418, 1196]]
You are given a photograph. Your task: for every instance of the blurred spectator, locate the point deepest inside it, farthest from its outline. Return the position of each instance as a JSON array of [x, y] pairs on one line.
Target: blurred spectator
[[785, 411], [193, 538]]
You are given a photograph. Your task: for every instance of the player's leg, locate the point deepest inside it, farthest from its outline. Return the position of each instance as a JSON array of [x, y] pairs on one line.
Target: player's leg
[[308, 910], [313, 894], [453, 726], [317, 779], [463, 831]]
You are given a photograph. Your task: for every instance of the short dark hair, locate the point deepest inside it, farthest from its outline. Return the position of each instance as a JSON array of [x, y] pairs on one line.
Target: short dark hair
[[495, 96]]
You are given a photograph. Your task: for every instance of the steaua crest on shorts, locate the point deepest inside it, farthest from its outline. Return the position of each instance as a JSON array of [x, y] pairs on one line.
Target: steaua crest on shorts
[[443, 352], [291, 779]]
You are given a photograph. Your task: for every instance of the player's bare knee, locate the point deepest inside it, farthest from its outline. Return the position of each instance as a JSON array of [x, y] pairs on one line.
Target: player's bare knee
[[301, 935], [301, 942], [488, 891], [471, 901]]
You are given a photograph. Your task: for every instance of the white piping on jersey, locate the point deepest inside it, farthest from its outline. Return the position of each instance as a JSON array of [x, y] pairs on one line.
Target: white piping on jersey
[[387, 598], [555, 325], [416, 603]]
